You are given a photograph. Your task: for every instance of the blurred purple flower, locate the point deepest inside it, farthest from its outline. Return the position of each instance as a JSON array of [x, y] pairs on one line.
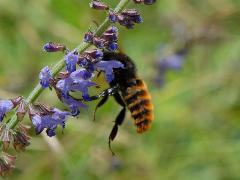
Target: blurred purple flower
[[107, 67], [5, 106], [45, 77], [174, 61]]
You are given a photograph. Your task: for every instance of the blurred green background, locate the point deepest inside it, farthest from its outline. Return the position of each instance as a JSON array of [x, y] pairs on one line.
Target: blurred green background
[[196, 131]]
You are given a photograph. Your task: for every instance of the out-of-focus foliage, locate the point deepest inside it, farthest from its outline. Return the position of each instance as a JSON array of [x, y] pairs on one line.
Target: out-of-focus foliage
[[196, 131]]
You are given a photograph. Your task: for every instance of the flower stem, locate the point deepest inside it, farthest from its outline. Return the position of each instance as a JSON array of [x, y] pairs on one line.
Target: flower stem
[[60, 64]]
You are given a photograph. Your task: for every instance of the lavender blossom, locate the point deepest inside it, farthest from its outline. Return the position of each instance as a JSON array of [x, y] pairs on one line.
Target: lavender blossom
[[5, 106], [95, 4], [94, 54], [107, 67], [45, 77], [52, 47], [49, 121], [71, 60], [173, 61], [73, 104], [112, 29], [149, 2], [112, 46], [98, 42], [112, 17], [77, 81], [88, 36]]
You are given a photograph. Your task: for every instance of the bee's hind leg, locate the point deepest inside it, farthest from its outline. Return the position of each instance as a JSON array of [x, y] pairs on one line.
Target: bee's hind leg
[[119, 120]]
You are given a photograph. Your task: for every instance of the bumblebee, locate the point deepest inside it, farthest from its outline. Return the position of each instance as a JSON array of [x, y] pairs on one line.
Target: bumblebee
[[130, 92]]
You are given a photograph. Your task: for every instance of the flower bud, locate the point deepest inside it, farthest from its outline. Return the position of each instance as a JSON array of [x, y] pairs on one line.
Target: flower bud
[[112, 16], [98, 42], [94, 54], [21, 111], [98, 5], [149, 2], [112, 29], [138, 1], [52, 47], [88, 37], [7, 163], [112, 46], [20, 141]]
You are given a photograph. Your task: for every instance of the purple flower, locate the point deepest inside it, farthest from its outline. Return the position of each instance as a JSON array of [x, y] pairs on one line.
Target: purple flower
[[112, 29], [45, 77], [73, 104], [149, 2], [80, 74], [98, 42], [112, 17], [52, 47], [88, 37], [50, 121], [95, 54], [173, 61], [5, 106], [107, 67], [138, 19], [95, 4], [71, 60], [77, 81], [128, 17], [110, 36], [112, 46]]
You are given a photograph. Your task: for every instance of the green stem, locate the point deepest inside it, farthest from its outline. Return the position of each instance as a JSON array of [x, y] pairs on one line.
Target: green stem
[[60, 64]]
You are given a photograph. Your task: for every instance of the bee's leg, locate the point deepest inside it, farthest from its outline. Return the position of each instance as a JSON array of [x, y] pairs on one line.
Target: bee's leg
[[103, 100], [118, 121], [105, 94]]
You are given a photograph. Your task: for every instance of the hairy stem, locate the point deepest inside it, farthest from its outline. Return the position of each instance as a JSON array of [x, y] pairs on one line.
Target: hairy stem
[[60, 64]]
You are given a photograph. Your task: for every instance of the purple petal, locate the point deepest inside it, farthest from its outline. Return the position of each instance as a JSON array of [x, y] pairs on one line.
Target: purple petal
[[5, 106], [52, 47], [45, 77], [108, 66], [71, 61], [72, 103], [80, 74]]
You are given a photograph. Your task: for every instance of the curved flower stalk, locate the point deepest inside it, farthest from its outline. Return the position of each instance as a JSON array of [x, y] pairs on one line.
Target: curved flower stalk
[[78, 67]]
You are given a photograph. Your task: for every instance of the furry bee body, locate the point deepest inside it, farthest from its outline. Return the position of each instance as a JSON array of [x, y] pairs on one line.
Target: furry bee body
[[133, 90]]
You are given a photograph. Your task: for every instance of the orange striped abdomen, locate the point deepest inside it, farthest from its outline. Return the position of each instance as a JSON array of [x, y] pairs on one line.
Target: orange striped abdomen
[[138, 101]]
